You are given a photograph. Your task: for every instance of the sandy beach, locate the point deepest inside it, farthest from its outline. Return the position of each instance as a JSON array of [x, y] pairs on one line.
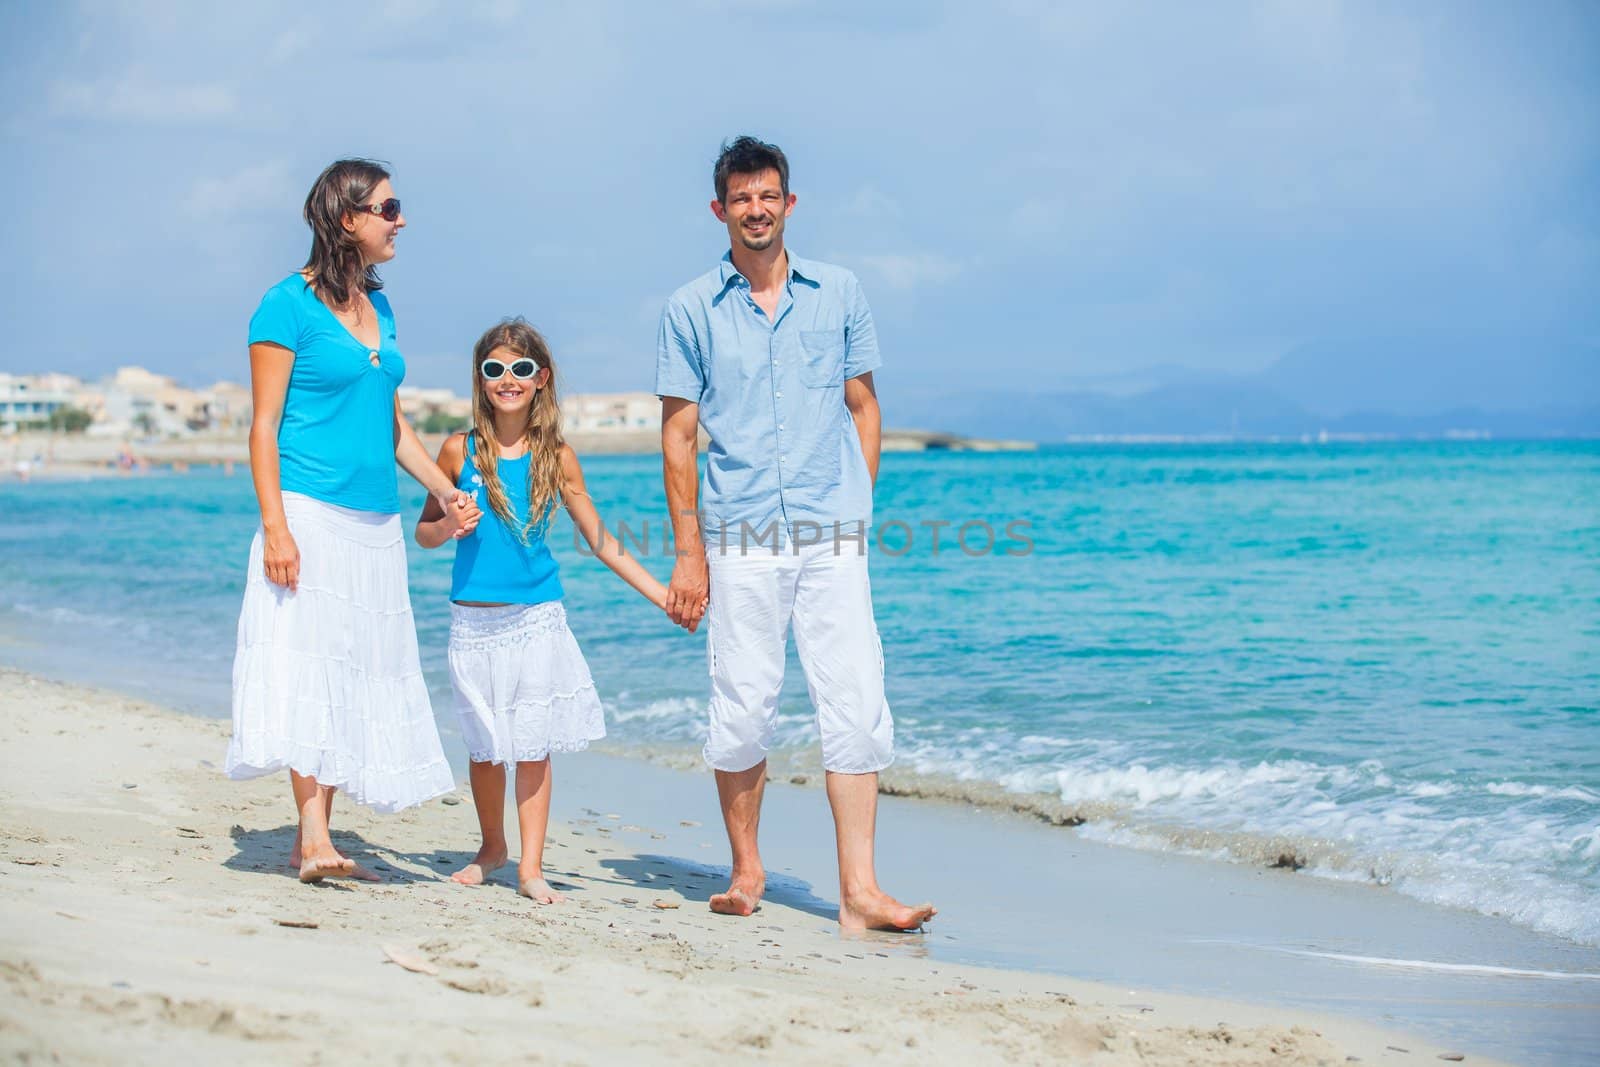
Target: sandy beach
[[148, 912]]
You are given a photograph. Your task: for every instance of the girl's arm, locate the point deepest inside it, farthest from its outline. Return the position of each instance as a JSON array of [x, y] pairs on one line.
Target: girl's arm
[[609, 550], [437, 523], [413, 458], [270, 365]]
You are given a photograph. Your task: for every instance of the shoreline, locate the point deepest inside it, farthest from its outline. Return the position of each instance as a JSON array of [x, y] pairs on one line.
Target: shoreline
[[137, 842], [83, 455]]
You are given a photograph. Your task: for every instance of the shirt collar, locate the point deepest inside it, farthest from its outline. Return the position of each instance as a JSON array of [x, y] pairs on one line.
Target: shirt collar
[[799, 270]]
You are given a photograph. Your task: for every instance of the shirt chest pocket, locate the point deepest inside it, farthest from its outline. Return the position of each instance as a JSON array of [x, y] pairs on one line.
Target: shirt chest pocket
[[822, 358]]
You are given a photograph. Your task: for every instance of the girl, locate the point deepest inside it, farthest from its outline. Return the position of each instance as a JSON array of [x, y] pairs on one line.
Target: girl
[[327, 682], [522, 688]]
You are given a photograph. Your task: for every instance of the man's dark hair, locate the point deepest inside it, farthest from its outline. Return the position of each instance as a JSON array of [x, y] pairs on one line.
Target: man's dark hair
[[746, 155]]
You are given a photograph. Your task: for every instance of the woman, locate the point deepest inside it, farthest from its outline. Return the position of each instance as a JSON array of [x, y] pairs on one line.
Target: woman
[[326, 678]]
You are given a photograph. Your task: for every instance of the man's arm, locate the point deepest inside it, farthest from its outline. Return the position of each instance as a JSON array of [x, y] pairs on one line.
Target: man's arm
[[862, 400], [680, 428]]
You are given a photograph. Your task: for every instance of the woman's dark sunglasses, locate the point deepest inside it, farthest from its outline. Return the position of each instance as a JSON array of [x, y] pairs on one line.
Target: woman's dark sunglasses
[[389, 209], [521, 369]]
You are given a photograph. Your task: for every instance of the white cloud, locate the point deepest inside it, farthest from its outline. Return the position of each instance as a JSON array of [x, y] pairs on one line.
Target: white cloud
[[902, 270], [262, 189], [134, 98], [873, 202]]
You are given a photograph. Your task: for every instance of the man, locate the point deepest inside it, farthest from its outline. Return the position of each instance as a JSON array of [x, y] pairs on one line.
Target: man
[[774, 355]]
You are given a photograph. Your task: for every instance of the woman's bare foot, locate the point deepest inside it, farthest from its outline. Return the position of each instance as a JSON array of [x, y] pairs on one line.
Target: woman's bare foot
[[877, 910], [743, 896], [538, 890], [318, 864], [489, 859]]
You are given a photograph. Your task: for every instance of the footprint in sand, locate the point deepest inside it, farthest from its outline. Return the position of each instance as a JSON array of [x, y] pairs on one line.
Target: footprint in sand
[[487, 984]]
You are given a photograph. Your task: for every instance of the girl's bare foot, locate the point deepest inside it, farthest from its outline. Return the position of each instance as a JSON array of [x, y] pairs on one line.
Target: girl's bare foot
[[489, 859], [877, 910], [538, 890]]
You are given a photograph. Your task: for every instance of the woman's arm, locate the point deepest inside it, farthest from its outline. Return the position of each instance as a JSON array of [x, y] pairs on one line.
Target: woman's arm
[[270, 365], [437, 524], [413, 458], [609, 550]]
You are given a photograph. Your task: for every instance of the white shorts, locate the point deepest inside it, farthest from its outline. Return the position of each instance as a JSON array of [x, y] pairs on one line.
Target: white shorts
[[825, 596], [522, 687]]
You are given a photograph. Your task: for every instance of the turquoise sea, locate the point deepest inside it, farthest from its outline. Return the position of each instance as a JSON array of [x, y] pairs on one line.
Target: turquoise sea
[[1381, 661]]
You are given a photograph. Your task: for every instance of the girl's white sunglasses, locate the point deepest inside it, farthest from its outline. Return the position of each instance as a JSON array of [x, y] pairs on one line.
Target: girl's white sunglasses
[[521, 369]]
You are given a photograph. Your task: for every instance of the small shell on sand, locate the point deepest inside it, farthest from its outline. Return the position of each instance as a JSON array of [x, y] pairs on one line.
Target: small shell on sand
[[664, 905], [409, 960]]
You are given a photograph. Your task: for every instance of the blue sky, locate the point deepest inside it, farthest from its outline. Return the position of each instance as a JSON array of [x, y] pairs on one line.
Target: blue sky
[[1034, 194]]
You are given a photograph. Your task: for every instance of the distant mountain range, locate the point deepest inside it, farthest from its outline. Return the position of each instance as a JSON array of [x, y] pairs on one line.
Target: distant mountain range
[[1415, 386]]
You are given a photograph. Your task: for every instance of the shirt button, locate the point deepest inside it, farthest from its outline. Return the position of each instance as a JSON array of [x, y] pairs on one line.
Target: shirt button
[[778, 396]]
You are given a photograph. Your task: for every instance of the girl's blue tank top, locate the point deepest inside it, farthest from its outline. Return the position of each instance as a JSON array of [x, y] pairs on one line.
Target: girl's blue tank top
[[492, 566]]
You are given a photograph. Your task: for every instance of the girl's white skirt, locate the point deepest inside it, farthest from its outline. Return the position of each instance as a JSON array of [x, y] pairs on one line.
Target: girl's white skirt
[[522, 687], [327, 680]]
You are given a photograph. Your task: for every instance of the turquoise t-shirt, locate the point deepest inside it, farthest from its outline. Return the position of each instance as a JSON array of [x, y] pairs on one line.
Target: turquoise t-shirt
[[492, 565], [336, 439]]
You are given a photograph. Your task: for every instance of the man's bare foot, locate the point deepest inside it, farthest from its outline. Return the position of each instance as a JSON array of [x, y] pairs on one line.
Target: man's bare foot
[[742, 898], [325, 863], [538, 890], [486, 862], [359, 872], [877, 910]]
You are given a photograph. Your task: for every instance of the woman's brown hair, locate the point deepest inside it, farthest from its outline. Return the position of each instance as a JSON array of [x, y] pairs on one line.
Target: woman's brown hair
[[542, 433], [335, 267]]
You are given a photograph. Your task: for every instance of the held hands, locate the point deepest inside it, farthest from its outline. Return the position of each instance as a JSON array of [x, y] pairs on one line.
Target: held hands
[[689, 592], [461, 512]]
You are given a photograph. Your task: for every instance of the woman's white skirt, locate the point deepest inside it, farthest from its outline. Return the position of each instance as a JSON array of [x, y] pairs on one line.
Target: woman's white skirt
[[522, 687], [327, 680]]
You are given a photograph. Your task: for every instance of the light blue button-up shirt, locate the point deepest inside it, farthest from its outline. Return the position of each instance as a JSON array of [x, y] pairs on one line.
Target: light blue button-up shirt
[[784, 450]]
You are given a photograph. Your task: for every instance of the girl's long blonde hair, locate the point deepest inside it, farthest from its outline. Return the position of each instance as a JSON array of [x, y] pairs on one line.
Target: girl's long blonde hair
[[542, 434]]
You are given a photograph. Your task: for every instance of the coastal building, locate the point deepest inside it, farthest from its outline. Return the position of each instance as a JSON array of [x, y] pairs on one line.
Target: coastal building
[[419, 404], [227, 407], [439, 409], [27, 400], [134, 402], [610, 412], [138, 402]]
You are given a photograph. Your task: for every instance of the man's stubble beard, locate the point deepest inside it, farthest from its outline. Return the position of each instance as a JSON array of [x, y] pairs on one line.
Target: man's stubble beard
[[761, 244]]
